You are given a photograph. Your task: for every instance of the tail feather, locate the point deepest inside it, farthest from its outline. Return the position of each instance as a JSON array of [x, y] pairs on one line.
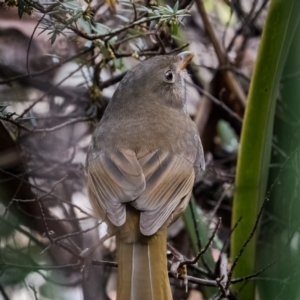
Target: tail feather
[[142, 273]]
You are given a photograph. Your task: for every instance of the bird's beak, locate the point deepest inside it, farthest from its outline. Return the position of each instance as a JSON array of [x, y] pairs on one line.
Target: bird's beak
[[184, 59]]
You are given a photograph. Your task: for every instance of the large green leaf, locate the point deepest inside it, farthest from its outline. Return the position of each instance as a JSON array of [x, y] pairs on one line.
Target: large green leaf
[[279, 237], [256, 138]]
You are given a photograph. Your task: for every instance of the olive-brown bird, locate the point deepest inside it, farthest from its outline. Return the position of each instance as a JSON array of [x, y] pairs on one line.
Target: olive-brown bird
[[141, 165]]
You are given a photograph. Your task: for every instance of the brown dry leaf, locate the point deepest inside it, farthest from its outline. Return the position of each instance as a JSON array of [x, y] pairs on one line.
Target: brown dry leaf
[[111, 4]]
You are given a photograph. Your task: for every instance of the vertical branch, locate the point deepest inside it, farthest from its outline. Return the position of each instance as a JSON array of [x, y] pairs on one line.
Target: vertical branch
[[229, 77]]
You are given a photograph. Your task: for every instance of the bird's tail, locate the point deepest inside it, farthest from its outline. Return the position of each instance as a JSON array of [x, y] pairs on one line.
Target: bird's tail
[[142, 271]]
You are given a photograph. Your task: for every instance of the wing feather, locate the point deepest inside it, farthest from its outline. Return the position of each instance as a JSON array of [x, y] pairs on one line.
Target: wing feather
[[169, 179], [155, 184], [113, 180]]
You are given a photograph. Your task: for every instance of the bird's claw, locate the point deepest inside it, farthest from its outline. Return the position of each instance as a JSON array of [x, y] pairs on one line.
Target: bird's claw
[[182, 271], [177, 269]]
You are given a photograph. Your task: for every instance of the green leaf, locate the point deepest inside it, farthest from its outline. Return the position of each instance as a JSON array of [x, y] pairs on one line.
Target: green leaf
[[152, 24], [53, 38], [124, 19], [12, 276], [177, 38], [202, 228], [167, 8], [50, 291], [198, 230], [105, 52], [53, 12], [33, 122], [227, 136], [182, 11], [144, 8], [175, 8], [43, 31], [129, 4], [101, 28], [175, 28], [21, 7], [91, 110], [256, 138], [3, 107], [280, 236], [71, 5]]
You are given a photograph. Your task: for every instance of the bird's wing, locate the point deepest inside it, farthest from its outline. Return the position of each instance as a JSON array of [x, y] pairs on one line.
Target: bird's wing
[[114, 179], [199, 162], [154, 184], [169, 179]]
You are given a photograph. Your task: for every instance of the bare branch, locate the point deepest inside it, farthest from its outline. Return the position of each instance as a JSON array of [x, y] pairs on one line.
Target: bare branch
[[200, 254]]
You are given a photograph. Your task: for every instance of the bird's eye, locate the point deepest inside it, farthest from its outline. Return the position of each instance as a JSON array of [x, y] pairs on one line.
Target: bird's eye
[[169, 76]]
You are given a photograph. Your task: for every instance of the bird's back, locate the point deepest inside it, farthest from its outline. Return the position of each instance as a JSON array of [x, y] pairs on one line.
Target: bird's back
[[141, 167], [170, 130]]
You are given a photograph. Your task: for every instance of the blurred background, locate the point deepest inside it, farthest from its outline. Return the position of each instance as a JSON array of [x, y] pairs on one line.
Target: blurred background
[[60, 63]]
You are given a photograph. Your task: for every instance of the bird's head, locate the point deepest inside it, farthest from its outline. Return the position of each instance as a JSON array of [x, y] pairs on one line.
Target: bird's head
[[159, 79]]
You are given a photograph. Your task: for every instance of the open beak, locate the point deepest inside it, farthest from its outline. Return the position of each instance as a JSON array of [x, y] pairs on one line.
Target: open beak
[[184, 59]]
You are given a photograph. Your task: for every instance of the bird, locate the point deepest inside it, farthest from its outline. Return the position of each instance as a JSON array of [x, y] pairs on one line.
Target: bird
[[142, 162]]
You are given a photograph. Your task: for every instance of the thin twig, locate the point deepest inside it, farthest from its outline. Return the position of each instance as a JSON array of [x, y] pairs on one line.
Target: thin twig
[[44, 191], [23, 231], [51, 89], [112, 81], [29, 44], [92, 37], [202, 251], [34, 292], [246, 23], [48, 233], [227, 68], [216, 207], [5, 296], [180, 257], [223, 274], [200, 281], [246, 242], [12, 199], [217, 102], [232, 82], [237, 280], [36, 74], [66, 236]]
